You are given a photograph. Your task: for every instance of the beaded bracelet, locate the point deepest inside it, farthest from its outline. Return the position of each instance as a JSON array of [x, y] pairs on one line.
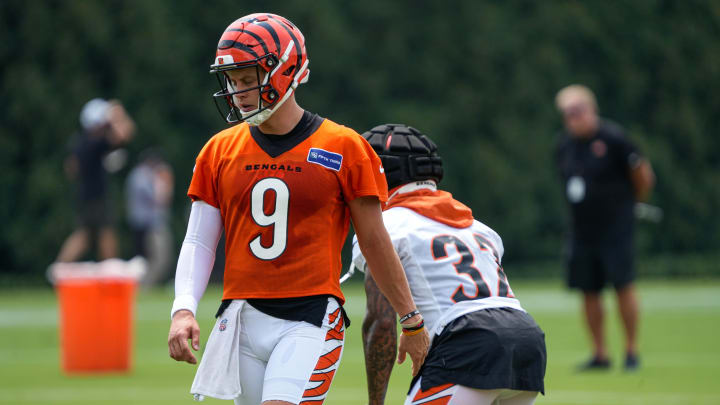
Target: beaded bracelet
[[409, 315]]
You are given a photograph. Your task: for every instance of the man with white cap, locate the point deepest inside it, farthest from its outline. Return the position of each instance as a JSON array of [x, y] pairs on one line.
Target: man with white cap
[[104, 126]]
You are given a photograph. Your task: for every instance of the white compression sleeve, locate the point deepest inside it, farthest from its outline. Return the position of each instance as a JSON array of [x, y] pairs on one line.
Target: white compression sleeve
[[197, 256]]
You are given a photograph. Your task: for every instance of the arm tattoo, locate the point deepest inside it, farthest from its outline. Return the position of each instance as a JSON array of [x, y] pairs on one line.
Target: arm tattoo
[[379, 341]]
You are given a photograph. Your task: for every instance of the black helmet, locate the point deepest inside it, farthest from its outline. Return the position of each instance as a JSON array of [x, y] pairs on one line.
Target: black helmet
[[407, 155]]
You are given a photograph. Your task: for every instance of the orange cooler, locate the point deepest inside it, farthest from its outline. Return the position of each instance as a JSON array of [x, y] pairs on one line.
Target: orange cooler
[[96, 302]]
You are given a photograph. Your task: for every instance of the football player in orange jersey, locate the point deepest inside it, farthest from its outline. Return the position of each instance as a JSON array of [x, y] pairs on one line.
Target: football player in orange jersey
[[485, 348], [283, 184]]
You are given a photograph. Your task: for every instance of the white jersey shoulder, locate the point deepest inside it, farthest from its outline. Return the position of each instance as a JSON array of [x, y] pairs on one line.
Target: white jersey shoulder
[[451, 271]]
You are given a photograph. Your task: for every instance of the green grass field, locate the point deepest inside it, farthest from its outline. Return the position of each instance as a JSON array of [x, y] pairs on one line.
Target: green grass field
[[680, 352]]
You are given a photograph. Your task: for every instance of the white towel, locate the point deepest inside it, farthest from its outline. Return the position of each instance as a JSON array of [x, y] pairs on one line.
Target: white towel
[[218, 375]]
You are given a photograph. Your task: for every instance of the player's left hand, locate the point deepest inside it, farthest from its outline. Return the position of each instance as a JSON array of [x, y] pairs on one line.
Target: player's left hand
[[416, 346]]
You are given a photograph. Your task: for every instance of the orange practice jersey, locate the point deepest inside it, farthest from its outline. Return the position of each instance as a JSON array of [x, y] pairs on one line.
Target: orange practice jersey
[[285, 217]]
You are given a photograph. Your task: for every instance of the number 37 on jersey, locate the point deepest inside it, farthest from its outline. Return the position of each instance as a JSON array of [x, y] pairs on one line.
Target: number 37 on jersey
[[478, 262]]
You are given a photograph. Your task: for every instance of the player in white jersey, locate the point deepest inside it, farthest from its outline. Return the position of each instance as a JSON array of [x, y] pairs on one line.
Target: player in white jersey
[[486, 349]]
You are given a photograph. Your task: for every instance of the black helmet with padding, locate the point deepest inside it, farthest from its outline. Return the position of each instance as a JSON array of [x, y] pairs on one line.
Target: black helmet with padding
[[407, 155]]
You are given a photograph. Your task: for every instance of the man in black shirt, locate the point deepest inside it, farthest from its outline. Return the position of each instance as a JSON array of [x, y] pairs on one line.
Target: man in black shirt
[[105, 125], [604, 175]]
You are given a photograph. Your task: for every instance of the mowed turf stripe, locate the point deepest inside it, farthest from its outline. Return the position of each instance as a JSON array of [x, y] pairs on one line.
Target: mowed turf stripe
[[653, 298], [337, 394], [559, 397], [114, 394]]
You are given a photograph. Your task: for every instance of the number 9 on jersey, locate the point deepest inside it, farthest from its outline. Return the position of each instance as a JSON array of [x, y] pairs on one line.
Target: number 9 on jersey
[[278, 219]]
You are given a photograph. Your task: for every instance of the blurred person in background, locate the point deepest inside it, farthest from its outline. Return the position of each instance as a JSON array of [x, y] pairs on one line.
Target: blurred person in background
[[148, 193], [485, 348], [105, 126], [604, 175], [283, 184]]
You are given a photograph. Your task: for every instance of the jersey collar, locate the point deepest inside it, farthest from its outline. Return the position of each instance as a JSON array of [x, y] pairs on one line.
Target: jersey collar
[[414, 186]]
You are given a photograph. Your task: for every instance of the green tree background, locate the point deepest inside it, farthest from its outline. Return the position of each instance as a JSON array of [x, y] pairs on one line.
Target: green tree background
[[477, 76]]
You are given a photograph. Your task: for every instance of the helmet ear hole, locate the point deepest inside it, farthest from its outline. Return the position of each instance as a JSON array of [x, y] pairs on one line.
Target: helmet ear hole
[[289, 71]]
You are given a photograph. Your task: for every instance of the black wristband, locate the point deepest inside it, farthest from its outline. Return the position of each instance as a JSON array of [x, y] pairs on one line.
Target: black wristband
[[409, 315]]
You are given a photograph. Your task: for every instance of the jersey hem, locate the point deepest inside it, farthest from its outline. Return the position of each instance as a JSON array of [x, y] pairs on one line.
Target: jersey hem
[[295, 294]]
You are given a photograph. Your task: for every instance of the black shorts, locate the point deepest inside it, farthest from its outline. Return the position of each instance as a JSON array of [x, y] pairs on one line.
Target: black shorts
[[590, 266], [94, 214], [494, 348]]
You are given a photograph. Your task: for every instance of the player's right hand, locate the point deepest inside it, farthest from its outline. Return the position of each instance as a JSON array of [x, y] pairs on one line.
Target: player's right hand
[[416, 346], [183, 327]]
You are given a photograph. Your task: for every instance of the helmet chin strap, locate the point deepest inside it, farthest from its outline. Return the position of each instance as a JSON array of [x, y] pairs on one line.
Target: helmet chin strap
[[263, 115], [258, 118]]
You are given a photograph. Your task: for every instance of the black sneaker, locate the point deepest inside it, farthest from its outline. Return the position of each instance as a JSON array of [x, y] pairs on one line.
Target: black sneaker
[[595, 364], [632, 363]]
